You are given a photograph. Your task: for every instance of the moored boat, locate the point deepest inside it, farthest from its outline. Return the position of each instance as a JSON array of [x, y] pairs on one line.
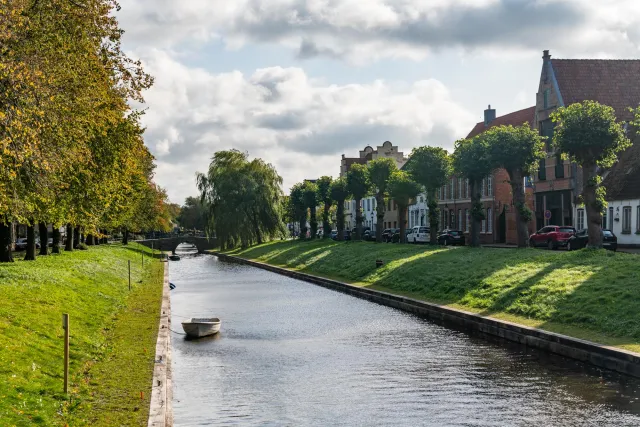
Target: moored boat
[[174, 257], [197, 327]]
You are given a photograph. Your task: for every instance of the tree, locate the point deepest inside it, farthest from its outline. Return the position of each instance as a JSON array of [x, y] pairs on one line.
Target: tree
[[380, 171], [518, 150], [192, 214], [403, 189], [310, 196], [324, 196], [471, 160], [298, 208], [339, 193], [358, 185], [587, 133], [430, 167]]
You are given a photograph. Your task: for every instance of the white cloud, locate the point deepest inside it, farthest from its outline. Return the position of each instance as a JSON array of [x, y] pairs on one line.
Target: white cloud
[[300, 125]]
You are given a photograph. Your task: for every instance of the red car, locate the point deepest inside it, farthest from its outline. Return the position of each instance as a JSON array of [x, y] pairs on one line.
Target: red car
[[552, 236]]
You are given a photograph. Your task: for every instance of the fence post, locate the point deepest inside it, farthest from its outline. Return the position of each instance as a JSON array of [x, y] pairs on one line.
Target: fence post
[[65, 326], [129, 274]]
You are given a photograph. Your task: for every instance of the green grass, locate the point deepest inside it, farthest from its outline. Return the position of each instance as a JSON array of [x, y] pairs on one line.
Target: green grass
[[112, 337], [593, 295]]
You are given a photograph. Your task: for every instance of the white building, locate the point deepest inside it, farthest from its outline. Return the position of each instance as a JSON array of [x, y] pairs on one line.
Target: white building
[[418, 212]]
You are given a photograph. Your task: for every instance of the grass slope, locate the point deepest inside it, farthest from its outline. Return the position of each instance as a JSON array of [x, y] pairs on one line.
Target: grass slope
[[588, 294], [112, 337]]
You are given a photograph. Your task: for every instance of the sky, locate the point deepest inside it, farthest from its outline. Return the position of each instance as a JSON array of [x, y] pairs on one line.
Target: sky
[[301, 82]]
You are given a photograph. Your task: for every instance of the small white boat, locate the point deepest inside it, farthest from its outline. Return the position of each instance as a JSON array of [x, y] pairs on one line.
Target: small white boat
[[197, 327]]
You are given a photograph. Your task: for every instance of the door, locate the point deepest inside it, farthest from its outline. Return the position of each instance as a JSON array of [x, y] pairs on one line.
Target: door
[[540, 238]]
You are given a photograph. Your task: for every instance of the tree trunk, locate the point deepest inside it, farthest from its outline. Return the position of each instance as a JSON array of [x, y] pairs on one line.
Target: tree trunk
[[520, 205], [358, 220], [69, 243], [96, 238], [89, 240], [55, 245], [6, 242], [313, 222], [434, 212], [303, 227], [326, 226], [340, 220], [475, 218], [76, 237], [256, 229], [402, 220], [125, 236], [379, 216], [31, 243], [44, 238], [593, 207]]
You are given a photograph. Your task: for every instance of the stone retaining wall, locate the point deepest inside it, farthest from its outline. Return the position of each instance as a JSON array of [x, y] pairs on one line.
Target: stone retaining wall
[[615, 359]]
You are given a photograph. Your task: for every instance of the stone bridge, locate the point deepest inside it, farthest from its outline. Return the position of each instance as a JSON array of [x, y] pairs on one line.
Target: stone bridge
[[171, 243]]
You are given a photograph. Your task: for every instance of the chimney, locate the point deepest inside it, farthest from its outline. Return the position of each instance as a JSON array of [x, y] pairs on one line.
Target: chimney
[[545, 55], [489, 115]]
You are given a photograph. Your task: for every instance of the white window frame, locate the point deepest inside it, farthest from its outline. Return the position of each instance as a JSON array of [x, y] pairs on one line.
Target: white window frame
[[626, 220], [459, 188], [466, 193], [483, 228], [482, 192], [452, 189], [490, 186], [580, 219]]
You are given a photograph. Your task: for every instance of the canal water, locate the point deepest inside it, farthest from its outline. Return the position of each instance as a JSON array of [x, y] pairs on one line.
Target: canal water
[[294, 354]]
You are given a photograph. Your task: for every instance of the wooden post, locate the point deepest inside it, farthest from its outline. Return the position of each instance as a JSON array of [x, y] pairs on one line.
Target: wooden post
[[129, 274], [65, 326], [143, 258]]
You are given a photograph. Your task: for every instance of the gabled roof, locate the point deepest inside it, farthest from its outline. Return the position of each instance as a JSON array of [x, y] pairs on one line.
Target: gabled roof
[[611, 82], [516, 118], [623, 180]]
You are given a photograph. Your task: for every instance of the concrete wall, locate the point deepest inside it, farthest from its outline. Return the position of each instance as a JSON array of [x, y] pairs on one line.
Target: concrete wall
[[603, 357]]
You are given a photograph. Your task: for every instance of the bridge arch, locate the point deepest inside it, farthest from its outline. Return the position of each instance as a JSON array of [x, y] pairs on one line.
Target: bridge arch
[[169, 244]]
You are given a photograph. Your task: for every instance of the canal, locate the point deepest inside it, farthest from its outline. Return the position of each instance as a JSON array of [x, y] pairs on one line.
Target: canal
[[295, 354]]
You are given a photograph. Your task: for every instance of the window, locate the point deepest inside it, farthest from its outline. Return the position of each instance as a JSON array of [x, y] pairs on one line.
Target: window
[[452, 189], [460, 188], [459, 219], [638, 219], [441, 193], [482, 192], [421, 199], [610, 219], [489, 186], [626, 220], [580, 220], [604, 219], [559, 167], [395, 224], [466, 192], [484, 224], [545, 96], [368, 204], [489, 221], [542, 171], [466, 220]]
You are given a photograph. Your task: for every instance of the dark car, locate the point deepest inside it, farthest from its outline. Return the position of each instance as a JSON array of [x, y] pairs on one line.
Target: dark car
[[368, 235], [346, 234], [581, 240], [387, 234], [396, 235], [552, 236], [451, 237]]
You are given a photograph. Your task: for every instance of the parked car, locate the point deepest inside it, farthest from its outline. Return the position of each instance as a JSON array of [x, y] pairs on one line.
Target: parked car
[[396, 235], [21, 244], [387, 234], [368, 235], [334, 234], [418, 234], [451, 237], [581, 239], [552, 236]]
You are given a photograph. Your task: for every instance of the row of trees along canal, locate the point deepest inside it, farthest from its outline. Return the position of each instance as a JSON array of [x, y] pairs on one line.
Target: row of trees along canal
[[71, 147], [586, 133]]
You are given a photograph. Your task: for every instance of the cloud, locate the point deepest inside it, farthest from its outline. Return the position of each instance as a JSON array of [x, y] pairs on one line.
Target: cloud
[[361, 31], [296, 123]]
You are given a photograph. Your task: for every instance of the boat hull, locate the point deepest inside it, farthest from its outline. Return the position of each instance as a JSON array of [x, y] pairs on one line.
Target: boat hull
[[196, 328]]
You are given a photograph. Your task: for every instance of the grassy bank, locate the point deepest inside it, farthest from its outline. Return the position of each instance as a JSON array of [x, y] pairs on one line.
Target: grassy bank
[[112, 337], [593, 295]]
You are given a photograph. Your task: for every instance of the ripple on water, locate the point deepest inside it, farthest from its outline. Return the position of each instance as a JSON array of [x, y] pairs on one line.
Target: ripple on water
[[294, 354]]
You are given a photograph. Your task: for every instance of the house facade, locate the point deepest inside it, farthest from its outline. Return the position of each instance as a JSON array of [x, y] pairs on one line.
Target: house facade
[[558, 183], [454, 201], [417, 213]]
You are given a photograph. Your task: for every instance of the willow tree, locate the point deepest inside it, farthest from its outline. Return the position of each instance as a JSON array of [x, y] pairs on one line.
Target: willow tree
[[339, 193], [358, 184], [324, 197], [380, 171], [517, 150], [403, 189], [589, 134], [430, 167], [472, 160], [310, 195]]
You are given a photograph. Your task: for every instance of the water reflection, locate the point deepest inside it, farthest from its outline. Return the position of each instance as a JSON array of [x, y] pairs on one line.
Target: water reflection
[[291, 353]]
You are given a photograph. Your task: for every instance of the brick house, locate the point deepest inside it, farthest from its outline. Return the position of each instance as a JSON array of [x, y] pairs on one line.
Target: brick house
[[564, 82], [497, 201]]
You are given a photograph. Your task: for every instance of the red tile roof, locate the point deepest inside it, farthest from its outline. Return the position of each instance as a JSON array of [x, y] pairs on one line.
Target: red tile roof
[[516, 118], [611, 82]]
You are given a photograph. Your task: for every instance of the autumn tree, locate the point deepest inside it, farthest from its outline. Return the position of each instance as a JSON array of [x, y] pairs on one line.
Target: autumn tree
[[518, 150], [339, 193], [358, 184], [402, 189], [430, 167], [380, 171], [588, 134], [324, 197]]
